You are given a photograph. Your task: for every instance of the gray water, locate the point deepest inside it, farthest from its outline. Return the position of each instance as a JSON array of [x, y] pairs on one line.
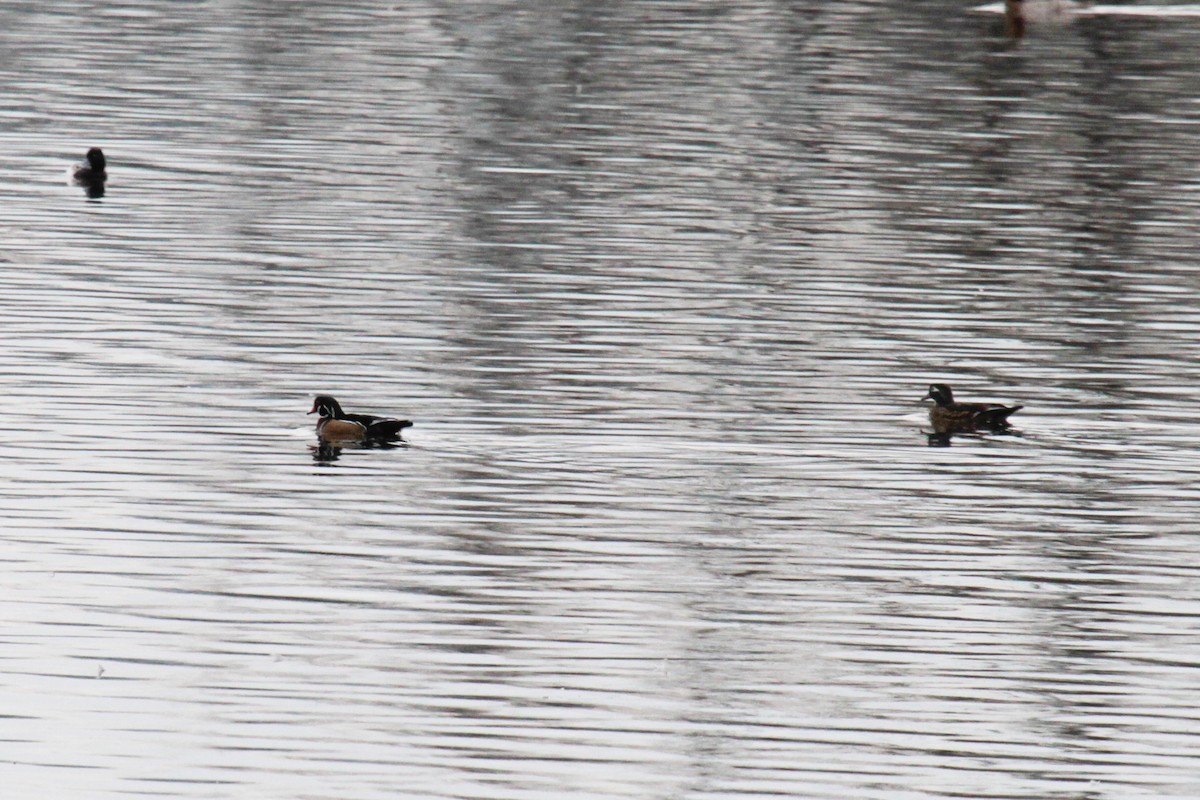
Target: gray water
[[660, 284]]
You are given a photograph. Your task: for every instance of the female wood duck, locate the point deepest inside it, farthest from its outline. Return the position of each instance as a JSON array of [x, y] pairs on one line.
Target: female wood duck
[[336, 425], [947, 416]]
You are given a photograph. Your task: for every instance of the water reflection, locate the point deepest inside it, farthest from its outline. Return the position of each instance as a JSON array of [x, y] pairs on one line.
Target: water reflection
[[326, 452], [945, 438]]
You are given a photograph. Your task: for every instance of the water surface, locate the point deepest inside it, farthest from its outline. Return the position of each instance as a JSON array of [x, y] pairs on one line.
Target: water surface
[[660, 284]]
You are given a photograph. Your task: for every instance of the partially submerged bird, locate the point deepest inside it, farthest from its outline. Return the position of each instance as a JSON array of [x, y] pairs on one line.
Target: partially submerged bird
[[95, 169], [92, 175], [948, 416], [338, 426]]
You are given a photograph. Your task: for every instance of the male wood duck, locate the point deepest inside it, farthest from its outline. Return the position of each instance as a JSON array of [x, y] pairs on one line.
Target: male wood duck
[[948, 416], [336, 425]]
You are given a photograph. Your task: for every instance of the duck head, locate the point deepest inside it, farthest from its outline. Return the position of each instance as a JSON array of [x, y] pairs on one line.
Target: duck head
[[326, 406], [940, 393]]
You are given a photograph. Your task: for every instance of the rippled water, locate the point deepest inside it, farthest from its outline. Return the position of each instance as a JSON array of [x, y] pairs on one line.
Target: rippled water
[[660, 284]]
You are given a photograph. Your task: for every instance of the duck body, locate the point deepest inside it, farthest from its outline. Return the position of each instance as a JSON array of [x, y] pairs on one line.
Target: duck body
[[950, 416], [335, 424], [1042, 11], [1020, 13], [95, 171]]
